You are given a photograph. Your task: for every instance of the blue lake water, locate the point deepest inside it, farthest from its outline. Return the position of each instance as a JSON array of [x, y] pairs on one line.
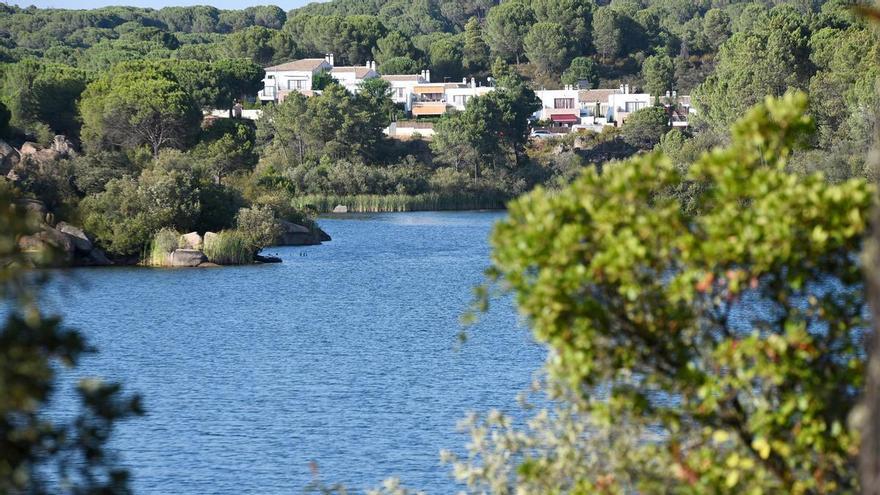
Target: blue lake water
[[346, 355]]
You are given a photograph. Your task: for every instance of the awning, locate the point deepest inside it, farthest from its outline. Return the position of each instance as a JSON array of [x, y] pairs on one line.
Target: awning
[[565, 118]]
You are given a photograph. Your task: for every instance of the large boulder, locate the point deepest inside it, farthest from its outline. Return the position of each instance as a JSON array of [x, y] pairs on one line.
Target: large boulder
[[32, 206], [191, 241], [97, 258], [83, 242], [9, 158], [296, 235], [187, 258], [340, 209], [50, 241], [29, 148]]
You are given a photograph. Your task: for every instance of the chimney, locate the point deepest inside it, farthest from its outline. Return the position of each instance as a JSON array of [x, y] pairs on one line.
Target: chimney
[[327, 58], [464, 80], [626, 89], [621, 88], [331, 60], [374, 66], [428, 75], [473, 83]]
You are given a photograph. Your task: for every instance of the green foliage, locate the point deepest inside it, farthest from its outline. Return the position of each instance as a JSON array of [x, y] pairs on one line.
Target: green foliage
[[336, 125], [228, 247], [575, 17], [124, 217], [164, 242], [475, 52], [445, 56], [731, 333], [126, 110], [35, 351], [644, 128], [261, 45], [400, 65], [321, 80], [226, 147], [547, 47], [506, 27], [768, 60], [392, 46], [659, 74], [258, 227], [581, 69], [607, 34], [39, 93], [375, 203], [492, 130]]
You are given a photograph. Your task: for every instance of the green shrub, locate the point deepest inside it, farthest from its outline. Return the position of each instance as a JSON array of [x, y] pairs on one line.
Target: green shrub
[[162, 245], [258, 226], [229, 247]]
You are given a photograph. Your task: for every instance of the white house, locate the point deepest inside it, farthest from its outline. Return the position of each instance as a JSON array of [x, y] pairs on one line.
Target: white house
[[430, 99], [351, 77], [561, 106], [458, 96], [402, 86], [624, 103], [296, 75]]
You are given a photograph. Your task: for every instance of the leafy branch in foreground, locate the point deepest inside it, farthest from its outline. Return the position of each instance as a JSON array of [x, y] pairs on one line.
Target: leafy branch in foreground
[[39, 452], [718, 346]]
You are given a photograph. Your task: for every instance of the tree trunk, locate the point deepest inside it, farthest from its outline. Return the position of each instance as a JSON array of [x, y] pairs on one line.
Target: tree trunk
[[869, 410]]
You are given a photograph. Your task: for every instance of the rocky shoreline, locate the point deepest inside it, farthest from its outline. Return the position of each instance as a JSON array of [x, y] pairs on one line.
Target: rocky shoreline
[[65, 245]]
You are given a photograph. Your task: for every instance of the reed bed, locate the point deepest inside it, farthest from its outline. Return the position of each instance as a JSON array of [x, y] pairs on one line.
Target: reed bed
[[228, 247], [163, 244], [375, 203]]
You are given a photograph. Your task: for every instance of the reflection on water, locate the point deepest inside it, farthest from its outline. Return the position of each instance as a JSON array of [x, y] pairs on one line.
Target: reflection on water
[[345, 354]]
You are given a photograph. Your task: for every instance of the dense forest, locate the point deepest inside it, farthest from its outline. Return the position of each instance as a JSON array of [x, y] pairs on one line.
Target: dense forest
[[126, 88]]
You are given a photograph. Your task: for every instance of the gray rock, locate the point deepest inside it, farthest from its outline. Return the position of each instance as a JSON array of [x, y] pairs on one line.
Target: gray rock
[[98, 258], [293, 228], [29, 148], [296, 235], [187, 257], [82, 241], [9, 158], [191, 241], [49, 241], [340, 209], [209, 238], [322, 236], [32, 206]]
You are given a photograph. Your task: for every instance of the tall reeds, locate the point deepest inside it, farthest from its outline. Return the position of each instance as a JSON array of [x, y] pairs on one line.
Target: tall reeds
[[228, 247], [374, 203], [163, 244]]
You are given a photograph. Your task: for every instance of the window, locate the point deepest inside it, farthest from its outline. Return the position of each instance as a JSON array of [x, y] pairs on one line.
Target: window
[[632, 106], [563, 103], [400, 92]]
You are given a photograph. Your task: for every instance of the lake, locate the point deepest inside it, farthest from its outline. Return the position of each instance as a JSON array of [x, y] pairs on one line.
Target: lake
[[345, 354]]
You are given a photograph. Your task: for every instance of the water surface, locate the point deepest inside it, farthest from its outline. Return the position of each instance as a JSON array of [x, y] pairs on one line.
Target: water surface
[[346, 354]]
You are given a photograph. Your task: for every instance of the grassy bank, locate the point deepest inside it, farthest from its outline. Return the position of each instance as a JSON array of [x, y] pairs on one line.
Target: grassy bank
[[374, 203]]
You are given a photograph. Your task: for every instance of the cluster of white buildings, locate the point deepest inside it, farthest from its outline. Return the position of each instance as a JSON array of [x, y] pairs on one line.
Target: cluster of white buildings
[[570, 107], [595, 108], [416, 92]]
